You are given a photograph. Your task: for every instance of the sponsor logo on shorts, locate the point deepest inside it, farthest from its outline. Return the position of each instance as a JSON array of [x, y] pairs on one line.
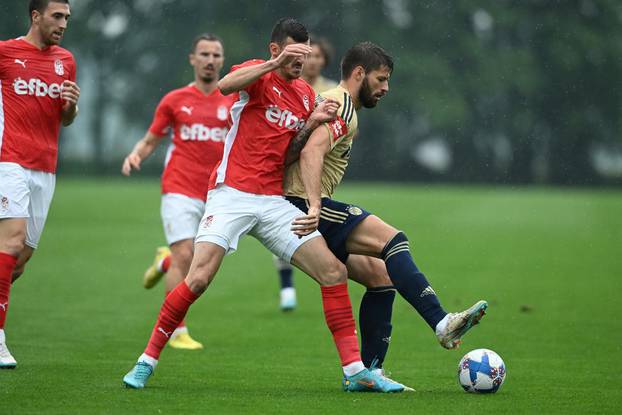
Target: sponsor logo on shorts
[[4, 203], [207, 222], [355, 211]]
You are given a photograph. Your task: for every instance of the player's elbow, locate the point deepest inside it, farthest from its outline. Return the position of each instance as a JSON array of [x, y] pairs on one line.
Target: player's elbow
[[225, 86]]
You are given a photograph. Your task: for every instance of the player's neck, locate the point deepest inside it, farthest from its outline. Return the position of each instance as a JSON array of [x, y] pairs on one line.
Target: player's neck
[[34, 38], [353, 89], [205, 87]]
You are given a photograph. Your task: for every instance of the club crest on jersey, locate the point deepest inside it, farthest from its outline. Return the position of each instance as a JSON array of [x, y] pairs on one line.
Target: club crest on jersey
[[305, 102], [222, 113], [58, 67]]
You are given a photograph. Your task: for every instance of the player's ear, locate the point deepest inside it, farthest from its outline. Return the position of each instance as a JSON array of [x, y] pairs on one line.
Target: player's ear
[[275, 49], [359, 73], [35, 16]]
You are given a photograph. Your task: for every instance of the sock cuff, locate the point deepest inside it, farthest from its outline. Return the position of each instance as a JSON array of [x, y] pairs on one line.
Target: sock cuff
[[8, 259], [382, 289], [334, 290], [399, 243], [185, 292]]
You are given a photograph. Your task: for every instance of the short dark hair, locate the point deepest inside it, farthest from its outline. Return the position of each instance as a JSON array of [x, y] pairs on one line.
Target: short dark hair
[[366, 54], [288, 27], [325, 47], [41, 5], [206, 36]]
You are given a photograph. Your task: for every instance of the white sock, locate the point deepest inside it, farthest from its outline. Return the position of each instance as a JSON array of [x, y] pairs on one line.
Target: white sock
[[440, 327], [353, 368], [149, 360], [2, 337], [179, 330]]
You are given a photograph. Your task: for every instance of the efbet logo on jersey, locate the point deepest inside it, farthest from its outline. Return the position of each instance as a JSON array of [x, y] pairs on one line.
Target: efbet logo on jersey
[[37, 88], [199, 132], [284, 118]]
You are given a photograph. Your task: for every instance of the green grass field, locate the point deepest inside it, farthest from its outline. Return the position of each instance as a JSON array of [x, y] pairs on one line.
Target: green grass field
[[548, 261]]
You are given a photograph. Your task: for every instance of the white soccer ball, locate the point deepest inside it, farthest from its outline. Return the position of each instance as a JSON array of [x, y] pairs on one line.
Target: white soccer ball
[[481, 371]]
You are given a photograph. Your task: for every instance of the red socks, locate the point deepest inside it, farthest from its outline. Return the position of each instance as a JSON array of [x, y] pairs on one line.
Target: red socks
[[172, 313], [165, 264], [7, 265], [340, 321], [183, 322]]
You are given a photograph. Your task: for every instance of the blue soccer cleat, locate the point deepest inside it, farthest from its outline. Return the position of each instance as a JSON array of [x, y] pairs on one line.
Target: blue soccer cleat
[[457, 324], [370, 381], [138, 376]]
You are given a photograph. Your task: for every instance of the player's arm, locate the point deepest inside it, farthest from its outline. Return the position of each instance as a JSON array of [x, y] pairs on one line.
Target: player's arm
[[141, 151], [311, 166], [70, 94], [325, 111], [241, 78]]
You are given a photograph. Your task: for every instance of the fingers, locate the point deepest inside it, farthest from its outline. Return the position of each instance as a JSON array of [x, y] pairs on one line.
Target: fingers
[[125, 168], [70, 92], [292, 52], [304, 225], [131, 162]]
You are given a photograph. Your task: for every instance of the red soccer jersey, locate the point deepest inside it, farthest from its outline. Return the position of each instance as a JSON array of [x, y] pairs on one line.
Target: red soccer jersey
[[267, 115], [30, 102], [200, 124]]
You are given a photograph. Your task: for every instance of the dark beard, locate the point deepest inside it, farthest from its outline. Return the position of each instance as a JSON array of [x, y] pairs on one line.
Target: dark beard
[[365, 95], [207, 79]]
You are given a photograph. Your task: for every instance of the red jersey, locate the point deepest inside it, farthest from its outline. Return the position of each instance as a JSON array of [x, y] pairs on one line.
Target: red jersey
[[30, 102], [200, 124], [267, 115]]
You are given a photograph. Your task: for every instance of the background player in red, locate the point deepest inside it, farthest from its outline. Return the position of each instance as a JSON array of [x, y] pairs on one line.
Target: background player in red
[[246, 198], [198, 116], [38, 93]]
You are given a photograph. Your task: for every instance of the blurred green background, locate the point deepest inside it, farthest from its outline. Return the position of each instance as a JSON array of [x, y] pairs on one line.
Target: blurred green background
[[490, 91]]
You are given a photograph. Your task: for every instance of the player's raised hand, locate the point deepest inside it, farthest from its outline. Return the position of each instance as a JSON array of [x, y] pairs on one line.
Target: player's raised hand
[[304, 225], [70, 93], [325, 111], [131, 162], [292, 52]]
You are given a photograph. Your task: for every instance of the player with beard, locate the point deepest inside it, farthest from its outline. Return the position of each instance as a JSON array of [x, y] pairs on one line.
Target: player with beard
[[376, 254], [197, 115], [245, 197], [321, 54], [38, 93]]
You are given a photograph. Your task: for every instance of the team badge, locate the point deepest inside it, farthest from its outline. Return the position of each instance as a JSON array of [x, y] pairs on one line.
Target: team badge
[[4, 203], [58, 67], [222, 113], [355, 211], [207, 221], [305, 102]]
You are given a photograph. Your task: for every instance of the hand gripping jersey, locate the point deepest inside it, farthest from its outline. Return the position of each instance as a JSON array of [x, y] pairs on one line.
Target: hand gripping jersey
[[341, 132], [199, 125], [266, 117], [30, 102]]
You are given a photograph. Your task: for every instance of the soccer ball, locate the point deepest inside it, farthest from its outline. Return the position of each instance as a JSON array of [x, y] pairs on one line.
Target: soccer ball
[[481, 371]]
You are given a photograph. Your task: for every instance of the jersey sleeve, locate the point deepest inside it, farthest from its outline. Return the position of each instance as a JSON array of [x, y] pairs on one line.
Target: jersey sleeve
[[255, 86], [163, 117], [340, 126]]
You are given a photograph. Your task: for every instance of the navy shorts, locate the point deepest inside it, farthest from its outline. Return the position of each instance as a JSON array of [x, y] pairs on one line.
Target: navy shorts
[[337, 221]]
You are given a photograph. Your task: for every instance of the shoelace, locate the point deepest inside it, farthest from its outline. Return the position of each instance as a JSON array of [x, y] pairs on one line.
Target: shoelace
[[143, 370]]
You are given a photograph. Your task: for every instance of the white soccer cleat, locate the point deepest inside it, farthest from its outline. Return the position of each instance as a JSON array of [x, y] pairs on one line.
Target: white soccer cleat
[[7, 361], [288, 299], [455, 325]]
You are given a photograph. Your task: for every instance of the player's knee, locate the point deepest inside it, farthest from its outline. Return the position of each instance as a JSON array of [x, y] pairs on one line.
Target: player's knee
[[15, 243], [17, 272], [334, 273]]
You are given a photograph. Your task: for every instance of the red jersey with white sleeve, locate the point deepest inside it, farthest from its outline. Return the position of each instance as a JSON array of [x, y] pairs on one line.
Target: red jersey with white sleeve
[[265, 118], [30, 102], [199, 125]]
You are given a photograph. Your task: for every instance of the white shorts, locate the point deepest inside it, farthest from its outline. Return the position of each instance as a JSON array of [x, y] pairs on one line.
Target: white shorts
[[230, 214], [180, 216], [26, 193]]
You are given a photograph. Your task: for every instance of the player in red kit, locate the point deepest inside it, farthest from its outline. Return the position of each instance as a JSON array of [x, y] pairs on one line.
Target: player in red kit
[[245, 197], [38, 93], [197, 115]]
